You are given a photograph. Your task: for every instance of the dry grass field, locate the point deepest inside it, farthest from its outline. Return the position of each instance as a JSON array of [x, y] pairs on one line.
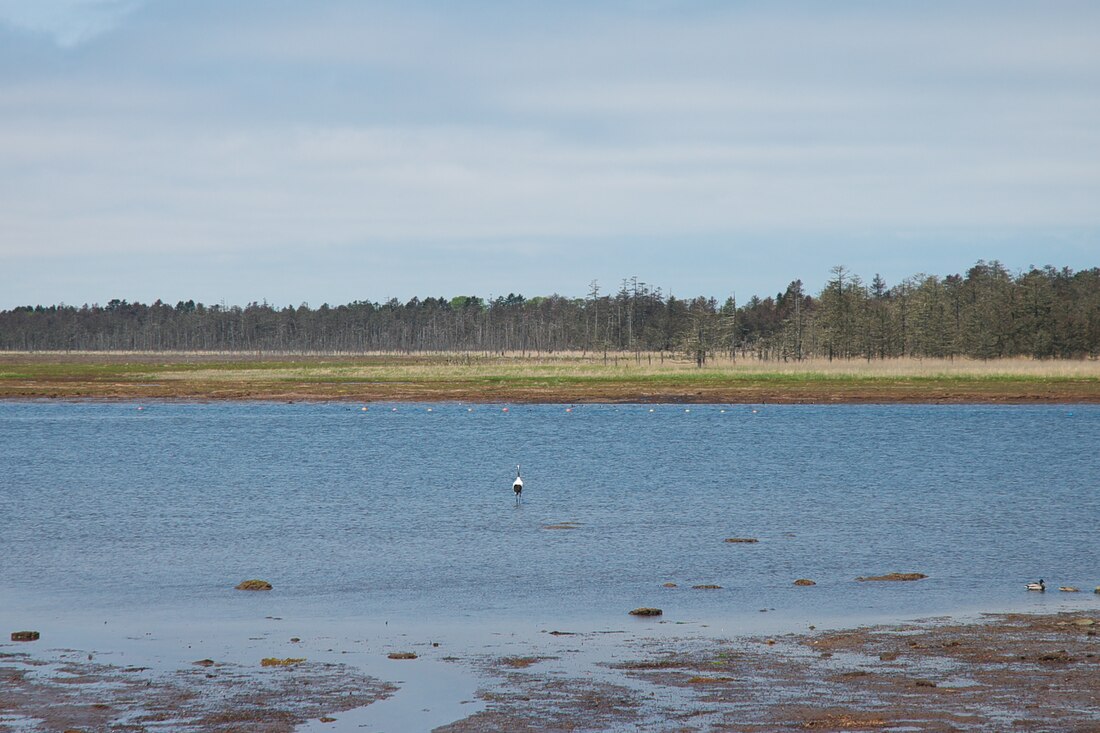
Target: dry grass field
[[561, 377]]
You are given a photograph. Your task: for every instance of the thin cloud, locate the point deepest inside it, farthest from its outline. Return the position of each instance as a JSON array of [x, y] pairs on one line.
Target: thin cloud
[[67, 22], [562, 131]]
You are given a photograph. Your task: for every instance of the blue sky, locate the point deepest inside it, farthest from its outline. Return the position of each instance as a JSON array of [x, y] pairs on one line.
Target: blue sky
[[335, 151]]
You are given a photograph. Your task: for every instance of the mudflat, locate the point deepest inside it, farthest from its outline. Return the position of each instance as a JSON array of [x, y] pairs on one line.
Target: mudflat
[[544, 378], [1025, 672], [1007, 672]]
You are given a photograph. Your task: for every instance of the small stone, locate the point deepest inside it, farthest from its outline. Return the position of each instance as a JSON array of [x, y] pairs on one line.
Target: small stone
[[327, 719], [888, 656], [25, 636], [254, 585], [294, 640], [804, 581], [706, 587], [401, 655], [924, 683], [770, 642], [742, 540], [205, 663], [671, 585], [646, 611]]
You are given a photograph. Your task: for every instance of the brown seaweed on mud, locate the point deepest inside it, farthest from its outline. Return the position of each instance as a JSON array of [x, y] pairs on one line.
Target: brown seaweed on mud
[[208, 697], [1018, 672]]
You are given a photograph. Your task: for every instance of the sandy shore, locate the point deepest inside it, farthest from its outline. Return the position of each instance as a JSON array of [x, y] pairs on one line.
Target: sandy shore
[[1004, 672]]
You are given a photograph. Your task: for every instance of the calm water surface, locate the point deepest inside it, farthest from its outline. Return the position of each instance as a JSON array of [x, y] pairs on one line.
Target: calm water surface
[[409, 513]]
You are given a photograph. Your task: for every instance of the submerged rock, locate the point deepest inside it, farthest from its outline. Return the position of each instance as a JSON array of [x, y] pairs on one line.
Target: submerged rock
[[742, 540], [707, 587], [25, 636], [804, 581], [646, 611], [401, 655], [670, 585], [205, 663], [254, 585], [894, 577]]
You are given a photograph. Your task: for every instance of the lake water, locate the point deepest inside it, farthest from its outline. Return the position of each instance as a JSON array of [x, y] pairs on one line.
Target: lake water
[[406, 511]]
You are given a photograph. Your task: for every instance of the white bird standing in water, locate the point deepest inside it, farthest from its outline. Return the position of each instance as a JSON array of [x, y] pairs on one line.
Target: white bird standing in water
[[517, 485]]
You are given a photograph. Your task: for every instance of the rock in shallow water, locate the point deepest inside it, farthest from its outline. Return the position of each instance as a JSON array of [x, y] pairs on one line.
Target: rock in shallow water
[[894, 577], [254, 585], [804, 581], [646, 611], [25, 636]]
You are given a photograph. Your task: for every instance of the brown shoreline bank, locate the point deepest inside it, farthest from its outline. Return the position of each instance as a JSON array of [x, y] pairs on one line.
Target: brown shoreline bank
[[559, 379]]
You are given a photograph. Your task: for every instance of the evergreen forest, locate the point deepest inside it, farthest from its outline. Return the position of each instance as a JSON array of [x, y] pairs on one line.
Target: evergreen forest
[[986, 313]]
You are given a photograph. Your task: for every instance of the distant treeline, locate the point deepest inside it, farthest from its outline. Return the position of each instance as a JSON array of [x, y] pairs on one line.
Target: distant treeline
[[986, 313]]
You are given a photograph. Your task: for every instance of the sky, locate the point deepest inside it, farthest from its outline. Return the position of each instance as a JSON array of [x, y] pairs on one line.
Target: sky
[[341, 150]]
